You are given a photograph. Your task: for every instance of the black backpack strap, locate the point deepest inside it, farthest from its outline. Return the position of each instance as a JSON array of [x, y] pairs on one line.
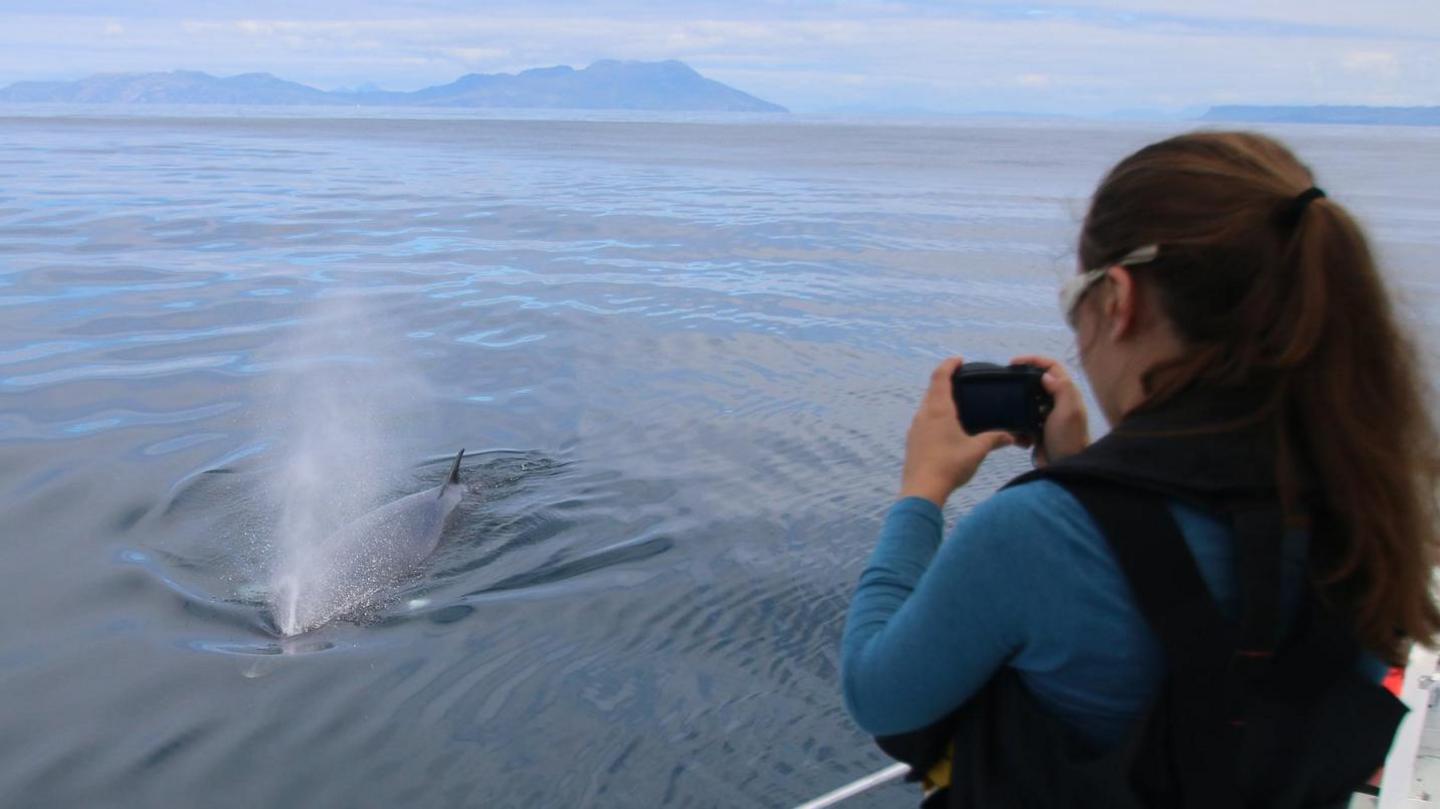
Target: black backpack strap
[[1260, 544], [1157, 565], [1260, 541], [1199, 770]]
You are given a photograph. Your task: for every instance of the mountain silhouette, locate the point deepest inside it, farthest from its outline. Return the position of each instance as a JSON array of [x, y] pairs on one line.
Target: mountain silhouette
[[607, 84]]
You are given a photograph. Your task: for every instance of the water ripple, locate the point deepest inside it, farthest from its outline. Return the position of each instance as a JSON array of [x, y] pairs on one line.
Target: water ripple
[[157, 368]]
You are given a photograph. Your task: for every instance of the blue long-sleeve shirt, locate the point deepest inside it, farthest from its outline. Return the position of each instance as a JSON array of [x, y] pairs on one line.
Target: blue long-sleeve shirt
[[1025, 580]]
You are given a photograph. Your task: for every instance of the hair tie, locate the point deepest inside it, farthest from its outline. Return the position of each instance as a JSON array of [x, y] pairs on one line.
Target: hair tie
[[1290, 215]]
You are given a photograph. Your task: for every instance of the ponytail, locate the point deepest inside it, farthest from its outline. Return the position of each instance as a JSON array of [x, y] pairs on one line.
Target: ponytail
[[1360, 414]]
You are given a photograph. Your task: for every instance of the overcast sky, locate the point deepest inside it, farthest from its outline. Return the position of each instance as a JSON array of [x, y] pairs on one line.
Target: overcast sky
[[1086, 57]]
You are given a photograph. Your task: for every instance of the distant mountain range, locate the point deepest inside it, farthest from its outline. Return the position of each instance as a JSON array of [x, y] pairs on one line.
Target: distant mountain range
[[607, 84], [1409, 116]]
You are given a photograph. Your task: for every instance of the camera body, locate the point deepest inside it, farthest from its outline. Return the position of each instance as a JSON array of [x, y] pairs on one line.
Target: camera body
[[999, 397]]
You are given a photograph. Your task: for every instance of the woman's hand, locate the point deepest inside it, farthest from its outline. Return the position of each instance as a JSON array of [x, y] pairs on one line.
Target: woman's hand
[[940, 456], [1067, 428]]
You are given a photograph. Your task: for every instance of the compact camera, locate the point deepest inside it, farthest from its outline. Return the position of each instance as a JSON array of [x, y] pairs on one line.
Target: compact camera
[[998, 397]]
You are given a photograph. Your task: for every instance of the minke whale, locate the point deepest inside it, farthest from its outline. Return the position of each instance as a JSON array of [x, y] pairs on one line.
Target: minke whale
[[331, 578]]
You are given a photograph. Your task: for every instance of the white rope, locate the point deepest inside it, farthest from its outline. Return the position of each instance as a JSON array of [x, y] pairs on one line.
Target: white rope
[[854, 788]]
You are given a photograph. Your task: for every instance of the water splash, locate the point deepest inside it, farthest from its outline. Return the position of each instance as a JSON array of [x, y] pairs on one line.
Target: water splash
[[286, 602], [339, 400]]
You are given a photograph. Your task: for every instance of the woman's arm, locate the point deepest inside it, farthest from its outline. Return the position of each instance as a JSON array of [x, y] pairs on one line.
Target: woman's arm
[[902, 665], [931, 623]]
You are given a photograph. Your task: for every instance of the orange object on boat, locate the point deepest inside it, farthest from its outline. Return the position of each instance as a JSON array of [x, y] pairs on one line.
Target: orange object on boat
[[1393, 680]]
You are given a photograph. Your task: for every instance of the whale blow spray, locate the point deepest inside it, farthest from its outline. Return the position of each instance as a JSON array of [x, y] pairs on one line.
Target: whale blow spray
[[340, 402]]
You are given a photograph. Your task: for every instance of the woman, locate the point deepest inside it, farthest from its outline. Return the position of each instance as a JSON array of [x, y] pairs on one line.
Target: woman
[[1216, 283]]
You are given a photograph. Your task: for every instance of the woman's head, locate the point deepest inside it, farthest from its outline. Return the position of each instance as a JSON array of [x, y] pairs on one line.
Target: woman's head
[[1258, 282], [1225, 279]]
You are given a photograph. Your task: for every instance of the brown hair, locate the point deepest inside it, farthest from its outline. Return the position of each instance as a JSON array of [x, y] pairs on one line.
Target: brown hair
[[1296, 307]]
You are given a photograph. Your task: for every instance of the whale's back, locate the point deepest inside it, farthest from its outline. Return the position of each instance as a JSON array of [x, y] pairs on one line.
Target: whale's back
[[347, 569]]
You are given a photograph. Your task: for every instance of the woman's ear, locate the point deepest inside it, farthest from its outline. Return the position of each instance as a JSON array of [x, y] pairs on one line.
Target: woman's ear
[[1122, 304]]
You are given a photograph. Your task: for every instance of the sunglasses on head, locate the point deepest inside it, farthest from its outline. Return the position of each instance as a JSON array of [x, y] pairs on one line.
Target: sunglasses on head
[[1074, 290]]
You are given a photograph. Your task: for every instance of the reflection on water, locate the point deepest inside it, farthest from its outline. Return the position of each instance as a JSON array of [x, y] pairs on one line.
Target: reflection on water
[[682, 354]]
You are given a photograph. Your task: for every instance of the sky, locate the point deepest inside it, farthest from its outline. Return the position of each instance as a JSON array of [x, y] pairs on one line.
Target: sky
[[1090, 57]]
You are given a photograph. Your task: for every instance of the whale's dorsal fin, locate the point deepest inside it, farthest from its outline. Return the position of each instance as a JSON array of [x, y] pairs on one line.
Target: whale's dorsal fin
[[454, 478]]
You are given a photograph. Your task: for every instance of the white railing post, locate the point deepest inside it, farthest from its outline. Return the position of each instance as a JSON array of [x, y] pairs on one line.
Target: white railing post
[[854, 788], [1398, 781]]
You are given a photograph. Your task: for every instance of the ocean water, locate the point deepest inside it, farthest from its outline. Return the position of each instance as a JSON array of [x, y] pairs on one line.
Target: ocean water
[[681, 356]]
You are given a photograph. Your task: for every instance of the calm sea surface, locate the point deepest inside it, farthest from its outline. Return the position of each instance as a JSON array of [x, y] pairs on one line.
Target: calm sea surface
[[682, 357]]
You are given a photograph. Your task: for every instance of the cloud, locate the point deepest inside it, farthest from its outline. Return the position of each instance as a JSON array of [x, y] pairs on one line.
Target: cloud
[[477, 55], [1381, 63]]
